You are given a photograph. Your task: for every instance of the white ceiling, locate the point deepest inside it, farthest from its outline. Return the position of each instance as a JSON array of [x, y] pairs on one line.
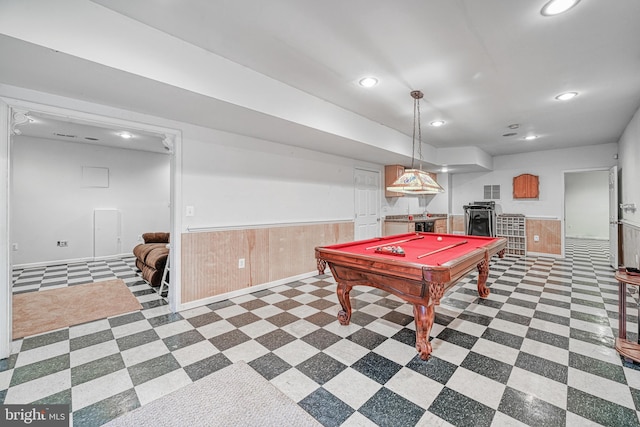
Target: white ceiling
[[46, 126], [482, 65]]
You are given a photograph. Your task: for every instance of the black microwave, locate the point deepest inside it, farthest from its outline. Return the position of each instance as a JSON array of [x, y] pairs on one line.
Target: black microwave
[[424, 226]]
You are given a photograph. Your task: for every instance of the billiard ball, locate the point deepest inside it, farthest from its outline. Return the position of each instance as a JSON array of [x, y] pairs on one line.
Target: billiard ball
[[439, 239]]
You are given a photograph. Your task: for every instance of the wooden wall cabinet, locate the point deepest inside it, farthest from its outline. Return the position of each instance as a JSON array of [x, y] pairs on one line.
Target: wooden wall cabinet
[[525, 186], [391, 173]]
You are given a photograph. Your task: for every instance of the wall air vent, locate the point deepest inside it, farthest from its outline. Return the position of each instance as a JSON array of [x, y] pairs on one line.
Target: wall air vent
[[64, 135], [90, 138], [491, 192]]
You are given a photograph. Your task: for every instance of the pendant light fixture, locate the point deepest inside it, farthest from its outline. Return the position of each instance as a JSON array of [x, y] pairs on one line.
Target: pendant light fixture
[[415, 181]]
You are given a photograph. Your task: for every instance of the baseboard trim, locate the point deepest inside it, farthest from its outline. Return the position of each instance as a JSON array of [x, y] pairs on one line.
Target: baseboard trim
[[69, 261], [543, 254], [244, 291], [587, 238]]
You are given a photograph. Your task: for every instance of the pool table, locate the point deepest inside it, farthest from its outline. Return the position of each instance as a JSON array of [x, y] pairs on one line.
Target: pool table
[[416, 267]]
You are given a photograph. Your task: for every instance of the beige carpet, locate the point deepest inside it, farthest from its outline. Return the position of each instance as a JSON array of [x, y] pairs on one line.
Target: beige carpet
[[235, 396], [42, 311]]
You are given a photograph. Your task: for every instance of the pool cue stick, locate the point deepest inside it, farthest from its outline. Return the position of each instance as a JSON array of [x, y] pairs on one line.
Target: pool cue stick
[[393, 243], [442, 249]]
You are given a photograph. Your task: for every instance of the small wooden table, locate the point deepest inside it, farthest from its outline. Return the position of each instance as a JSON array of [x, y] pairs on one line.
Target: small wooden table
[[626, 348]]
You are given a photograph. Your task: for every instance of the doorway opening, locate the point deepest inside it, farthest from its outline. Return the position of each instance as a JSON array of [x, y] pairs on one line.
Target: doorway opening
[[588, 207], [88, 175]]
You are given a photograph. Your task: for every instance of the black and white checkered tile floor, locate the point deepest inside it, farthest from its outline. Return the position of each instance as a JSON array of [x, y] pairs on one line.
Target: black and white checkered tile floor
[[539, 351], [56, 276]]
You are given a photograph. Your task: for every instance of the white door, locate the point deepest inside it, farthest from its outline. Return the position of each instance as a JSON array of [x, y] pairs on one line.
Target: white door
[[106, 233], [367, 204], [613, 217]]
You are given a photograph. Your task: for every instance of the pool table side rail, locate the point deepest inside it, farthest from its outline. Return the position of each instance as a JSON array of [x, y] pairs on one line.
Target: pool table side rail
[[399, 267], [444, 273], [461, 266], [414, 291], [381, 240]]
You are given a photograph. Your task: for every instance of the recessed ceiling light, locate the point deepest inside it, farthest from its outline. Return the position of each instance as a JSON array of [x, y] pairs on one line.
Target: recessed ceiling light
[[555, 7], [368, 82], [125, 135], [530, 137], [566, 96], [514, 126], [509, 134], [438, 123], [444, 169]]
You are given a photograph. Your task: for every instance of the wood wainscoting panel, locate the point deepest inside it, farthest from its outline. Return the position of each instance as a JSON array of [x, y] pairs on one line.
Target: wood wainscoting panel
[[338, 232], [210, 261], [456, 224], [549, 232], [210, 258], [630, 245], [291, 249]]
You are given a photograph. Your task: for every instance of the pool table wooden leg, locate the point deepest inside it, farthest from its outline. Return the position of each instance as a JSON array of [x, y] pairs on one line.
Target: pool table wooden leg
[[321, 265], [424, 321], [344, 315], [483, 274]]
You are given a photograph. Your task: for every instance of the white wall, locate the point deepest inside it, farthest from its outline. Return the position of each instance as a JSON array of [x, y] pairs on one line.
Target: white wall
[[629, 159], [49, 202], [234, 181], [587, 204], [548, 165]]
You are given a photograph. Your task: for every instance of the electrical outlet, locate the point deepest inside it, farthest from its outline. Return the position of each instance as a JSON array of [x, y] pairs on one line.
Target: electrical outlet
[[189, 211], [14, 247], [63, 243], [536, 238], [241, 263]]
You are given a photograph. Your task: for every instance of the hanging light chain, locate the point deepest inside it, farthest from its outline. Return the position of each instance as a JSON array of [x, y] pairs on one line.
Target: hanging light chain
[[419, 132], [415, 182], [417, 96]]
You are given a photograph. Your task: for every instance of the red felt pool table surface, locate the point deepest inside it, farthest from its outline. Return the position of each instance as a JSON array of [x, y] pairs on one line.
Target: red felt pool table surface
[[417, 244], [431, 264]]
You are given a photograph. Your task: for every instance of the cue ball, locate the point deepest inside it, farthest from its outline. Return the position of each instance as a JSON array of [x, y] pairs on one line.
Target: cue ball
[[439, 239]]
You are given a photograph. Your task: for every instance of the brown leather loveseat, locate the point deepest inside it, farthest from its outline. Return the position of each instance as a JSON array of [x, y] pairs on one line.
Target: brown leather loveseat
[[151, 256]]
